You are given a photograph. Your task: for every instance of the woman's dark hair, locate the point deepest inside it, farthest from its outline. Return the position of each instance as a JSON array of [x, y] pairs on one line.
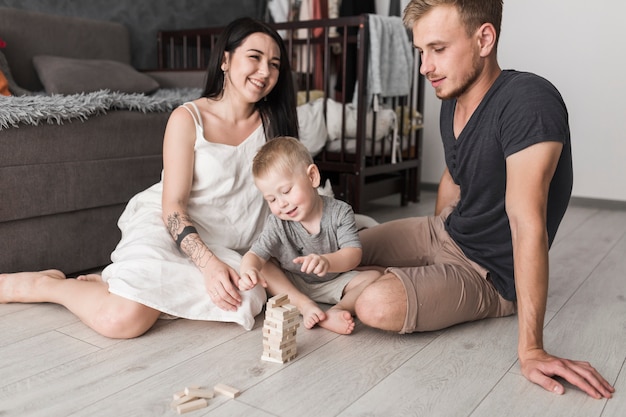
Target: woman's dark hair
[[278, 108]]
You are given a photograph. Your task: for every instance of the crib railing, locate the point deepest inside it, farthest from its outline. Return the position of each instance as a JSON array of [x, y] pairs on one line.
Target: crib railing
[[329, 58]]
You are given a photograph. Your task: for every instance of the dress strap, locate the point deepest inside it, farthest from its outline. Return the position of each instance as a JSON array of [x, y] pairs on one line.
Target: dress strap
[[195, 113]]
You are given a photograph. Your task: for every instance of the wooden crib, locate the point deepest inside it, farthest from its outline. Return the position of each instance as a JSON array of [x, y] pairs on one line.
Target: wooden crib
[[367, 159]]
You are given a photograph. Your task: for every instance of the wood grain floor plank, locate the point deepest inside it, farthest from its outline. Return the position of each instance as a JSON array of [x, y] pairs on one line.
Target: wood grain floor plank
[[449, 377], [573, 259], [573, 219], [53, 365], [515, 396], [45, 350], [334, 376], [236, 362], [71, 387], [589, 327], [235, 408], [14, 308], [615, 406], [26, 323]]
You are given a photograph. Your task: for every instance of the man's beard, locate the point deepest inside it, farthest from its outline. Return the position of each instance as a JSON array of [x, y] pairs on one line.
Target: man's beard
[[468, 81]]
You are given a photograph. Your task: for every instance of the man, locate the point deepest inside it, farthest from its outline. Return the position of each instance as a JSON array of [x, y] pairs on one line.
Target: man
[[504, 191]]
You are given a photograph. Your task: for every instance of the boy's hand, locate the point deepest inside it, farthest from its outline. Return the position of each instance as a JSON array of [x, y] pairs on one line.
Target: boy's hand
[[313, 264], [249, 279]]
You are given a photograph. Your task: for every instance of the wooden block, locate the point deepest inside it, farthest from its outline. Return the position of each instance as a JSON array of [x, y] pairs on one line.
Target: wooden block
[[281, 324], [292, 310], [272, 324], [199, 392], [277, 339], [280, 353], [270, 359], [279, 334], [179, 394], [290, 358], [181, 400], [226, 390], [192, 405], [281, 313], [277, 300], [281, 344], [269, 330]]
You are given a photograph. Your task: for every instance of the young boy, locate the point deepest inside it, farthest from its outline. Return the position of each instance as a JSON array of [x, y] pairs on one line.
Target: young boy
[[313, 238]]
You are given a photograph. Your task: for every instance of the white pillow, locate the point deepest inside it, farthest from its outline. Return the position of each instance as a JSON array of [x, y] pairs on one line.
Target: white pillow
[[385, 121], [312, 126]]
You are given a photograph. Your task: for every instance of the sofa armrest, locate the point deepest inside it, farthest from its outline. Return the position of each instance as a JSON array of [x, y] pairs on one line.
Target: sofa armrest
[[178, 78]]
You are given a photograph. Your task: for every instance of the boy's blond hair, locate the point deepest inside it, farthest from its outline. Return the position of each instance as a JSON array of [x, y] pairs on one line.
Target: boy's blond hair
[[283, 154]]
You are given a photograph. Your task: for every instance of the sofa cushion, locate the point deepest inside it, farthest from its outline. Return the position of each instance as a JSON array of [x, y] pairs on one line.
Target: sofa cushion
[[29, 33], [60, 75]]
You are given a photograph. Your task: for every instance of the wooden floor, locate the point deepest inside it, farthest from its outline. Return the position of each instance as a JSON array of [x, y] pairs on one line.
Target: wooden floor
[[53, 365]]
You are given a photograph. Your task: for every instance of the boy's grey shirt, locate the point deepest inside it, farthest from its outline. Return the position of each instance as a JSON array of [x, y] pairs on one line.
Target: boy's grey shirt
[[286, 240]]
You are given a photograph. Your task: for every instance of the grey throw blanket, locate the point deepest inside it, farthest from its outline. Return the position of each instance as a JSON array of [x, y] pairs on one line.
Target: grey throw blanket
[[390, 63], [36, 109]]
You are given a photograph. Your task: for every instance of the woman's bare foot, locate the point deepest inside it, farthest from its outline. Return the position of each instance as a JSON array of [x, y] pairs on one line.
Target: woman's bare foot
[[20, 287], [311, 314], [338, 321], [90, 277]]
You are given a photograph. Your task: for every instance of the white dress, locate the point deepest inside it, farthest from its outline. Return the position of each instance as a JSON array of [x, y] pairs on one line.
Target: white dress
[[228, 212]]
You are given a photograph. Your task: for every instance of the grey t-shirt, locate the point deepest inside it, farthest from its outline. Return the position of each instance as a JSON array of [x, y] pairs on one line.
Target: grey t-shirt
[[519, 110], [286, 240]]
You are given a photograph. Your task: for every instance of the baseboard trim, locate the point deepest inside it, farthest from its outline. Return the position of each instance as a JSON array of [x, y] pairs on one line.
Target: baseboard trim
[[429, 186], [597, 203]]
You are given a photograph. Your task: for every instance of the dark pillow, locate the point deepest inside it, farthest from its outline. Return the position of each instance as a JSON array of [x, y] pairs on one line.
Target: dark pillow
[[61, 75], [13, 87]]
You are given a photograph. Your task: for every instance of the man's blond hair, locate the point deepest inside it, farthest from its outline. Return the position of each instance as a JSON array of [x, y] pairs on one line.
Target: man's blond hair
[[473, 13]]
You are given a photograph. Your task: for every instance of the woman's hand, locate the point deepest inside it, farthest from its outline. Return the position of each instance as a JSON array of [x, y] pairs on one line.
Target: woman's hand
[[221, 281]]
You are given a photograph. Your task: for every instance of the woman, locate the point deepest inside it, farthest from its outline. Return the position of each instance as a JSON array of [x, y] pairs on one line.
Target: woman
[[182, 238]]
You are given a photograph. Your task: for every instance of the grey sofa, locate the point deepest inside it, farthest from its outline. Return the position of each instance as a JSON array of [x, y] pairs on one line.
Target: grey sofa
[[63, 186]]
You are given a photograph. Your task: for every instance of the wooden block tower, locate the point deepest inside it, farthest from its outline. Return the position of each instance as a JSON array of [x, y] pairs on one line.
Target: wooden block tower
[[279, 330]]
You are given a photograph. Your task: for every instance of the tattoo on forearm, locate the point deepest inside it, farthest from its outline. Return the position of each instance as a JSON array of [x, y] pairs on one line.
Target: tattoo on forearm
[[195, 248], [191, 244], [176, 222]]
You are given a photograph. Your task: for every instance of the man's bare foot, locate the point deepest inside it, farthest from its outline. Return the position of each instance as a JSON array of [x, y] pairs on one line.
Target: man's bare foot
[[311, 314], [19, 287], [338, 321]]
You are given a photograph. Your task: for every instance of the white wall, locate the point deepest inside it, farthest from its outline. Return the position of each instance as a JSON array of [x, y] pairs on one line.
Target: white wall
[[580, 47]]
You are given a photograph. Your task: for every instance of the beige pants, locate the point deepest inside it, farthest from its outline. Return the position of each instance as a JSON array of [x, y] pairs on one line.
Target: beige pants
[[443, 286]]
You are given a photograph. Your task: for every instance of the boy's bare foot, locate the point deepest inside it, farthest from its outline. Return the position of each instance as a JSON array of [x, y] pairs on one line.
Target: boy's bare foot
[[338, 321], [311, 314], [19, 287]]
